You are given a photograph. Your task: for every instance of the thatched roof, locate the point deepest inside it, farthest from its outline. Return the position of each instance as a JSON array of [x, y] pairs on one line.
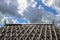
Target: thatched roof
[[29, 32]]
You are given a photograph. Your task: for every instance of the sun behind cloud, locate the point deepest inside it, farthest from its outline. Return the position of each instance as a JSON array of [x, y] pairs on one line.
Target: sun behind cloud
[[22, 6]]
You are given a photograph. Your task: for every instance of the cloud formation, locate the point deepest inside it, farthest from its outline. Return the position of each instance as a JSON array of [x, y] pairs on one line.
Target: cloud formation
[[10, 7], [9, 20], [56, 4], [1, 17], [36, 15], [31, 13]]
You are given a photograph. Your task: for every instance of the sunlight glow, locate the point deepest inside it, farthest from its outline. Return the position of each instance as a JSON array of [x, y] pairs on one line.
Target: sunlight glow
[[34, 4], [22, 6]]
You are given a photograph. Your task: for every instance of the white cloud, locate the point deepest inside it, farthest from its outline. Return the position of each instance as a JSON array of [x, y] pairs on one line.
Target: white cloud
[[10, 7], [34, 5], [1, 17], [22, 6], [56, 6], [48, 2], [56, 3], [33, 14], [10, 20]]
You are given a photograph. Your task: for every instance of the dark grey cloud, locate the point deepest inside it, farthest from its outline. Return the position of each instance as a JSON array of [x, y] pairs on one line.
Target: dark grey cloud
[[32, 14], [36, 15], [11, 9]]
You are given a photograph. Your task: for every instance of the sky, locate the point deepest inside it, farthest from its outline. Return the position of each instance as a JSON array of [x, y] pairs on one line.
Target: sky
[[46, 8], [29, 11]]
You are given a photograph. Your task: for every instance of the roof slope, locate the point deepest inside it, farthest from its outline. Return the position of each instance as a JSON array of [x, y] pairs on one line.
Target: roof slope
[[29, 32]]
